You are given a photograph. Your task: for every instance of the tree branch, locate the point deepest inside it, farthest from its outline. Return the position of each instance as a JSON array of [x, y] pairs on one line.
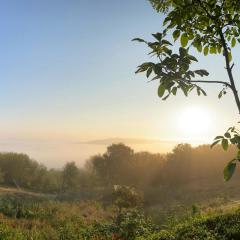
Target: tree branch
[[229, 69], [217, 82]]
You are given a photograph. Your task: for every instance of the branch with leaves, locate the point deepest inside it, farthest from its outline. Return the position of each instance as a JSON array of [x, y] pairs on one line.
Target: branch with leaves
[[209, 26]]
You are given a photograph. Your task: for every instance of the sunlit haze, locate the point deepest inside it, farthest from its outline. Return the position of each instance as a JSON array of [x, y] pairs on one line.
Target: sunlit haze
[[67, 79], [195, 122]]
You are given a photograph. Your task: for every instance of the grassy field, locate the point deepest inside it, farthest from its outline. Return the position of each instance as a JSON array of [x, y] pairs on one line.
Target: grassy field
[[33, 216]]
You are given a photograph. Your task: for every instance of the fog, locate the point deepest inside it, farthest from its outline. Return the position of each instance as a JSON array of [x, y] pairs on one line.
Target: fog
[[54, 154]]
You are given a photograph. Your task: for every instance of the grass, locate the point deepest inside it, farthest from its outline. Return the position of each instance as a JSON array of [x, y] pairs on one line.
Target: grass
[[26, 216]]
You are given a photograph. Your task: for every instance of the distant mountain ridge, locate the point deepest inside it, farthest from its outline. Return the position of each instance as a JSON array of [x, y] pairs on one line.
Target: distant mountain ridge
[[125, 140]]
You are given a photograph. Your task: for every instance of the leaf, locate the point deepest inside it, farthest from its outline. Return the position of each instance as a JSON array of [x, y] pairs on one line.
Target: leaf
[[220, 94], [166, 97], [161, 90], [184, 40], [214, 143], [205, 51], [149, 71], [227, 135], [192, 58], [229, 170], [203, 92], [166, 42], [219, 48], [230, 56], [233, 43], [202, 72], [225, 144], [213, 50], [158, 36], [138, 40], [218, 137], [174, 91], [198, 91], [199, 47], [185, 90], [176, 34]]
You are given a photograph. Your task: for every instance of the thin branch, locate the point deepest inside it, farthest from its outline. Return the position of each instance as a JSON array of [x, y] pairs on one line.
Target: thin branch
[[205, 81]]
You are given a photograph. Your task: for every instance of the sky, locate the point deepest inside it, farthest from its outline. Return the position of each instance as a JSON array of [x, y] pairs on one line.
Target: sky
[[67, 78]]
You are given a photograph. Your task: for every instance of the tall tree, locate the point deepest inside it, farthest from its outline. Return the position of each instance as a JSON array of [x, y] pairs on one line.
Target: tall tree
[[112, 167], [211, 27], [70, 176]]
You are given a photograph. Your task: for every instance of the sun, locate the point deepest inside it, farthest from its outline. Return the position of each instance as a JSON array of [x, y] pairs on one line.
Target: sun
[[194, 121]]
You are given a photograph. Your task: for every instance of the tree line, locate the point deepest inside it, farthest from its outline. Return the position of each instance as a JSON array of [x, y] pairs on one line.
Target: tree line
[[119, 165]]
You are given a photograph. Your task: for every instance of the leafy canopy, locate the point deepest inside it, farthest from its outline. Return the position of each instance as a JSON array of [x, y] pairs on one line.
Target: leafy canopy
[[209, 26]]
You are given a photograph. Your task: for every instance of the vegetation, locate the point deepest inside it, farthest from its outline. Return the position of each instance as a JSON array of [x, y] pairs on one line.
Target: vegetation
[[210, 27], [127, 195], [28, 217], [179, 195], [186, 169]]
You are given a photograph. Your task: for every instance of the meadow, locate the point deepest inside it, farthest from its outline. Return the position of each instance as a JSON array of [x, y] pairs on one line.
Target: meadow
[[27, 216]]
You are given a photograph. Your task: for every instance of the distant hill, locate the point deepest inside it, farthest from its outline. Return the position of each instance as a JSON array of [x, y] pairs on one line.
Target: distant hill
[[108, 141]]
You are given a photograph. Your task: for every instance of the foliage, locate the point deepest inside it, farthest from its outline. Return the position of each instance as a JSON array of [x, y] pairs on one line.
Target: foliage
[[70, 176], [161, 178], [211, 27], [126, 197], [37, 177], [111, 166], [53, 220]]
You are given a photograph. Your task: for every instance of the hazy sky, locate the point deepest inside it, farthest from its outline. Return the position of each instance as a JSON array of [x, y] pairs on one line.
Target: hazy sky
[[67, 75]]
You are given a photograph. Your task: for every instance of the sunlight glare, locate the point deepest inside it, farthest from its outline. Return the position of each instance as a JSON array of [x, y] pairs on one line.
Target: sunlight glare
[[194, 121]]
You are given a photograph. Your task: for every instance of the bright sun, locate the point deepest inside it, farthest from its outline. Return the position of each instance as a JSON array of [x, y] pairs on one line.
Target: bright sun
[[194, 121]]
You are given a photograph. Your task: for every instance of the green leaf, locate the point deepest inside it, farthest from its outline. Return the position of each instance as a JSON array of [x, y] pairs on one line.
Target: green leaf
[[230, 56], [198, 91], [218, 137], [214, 143], [233, 43], [203, 92], [158, 36], [176, 34], [225, 144], [219, 48], [229, 170], [166, 42], [202, 72], [192, 58], [199, 48], [149, 71], [213, 50], [166, 97], [174, 91], [184, 40], [161, 90], [227, 135], [138, 40], [185, 90], [220, 94], [205, 50]]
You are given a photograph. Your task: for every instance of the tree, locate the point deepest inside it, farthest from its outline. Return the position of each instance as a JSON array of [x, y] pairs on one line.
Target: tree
[[126, 197], [113, 165], [211, 27], [70, 176]]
